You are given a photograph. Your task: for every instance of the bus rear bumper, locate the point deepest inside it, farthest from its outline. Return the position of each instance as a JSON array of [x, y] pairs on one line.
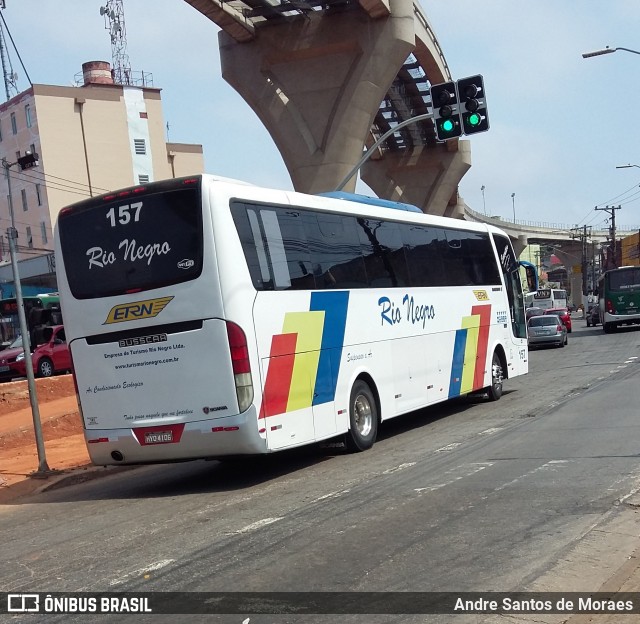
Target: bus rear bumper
[[203, 439], [622, 319]]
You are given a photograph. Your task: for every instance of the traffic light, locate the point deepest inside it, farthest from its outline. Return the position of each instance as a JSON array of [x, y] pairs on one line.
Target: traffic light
[[473, 104], [446, 115]]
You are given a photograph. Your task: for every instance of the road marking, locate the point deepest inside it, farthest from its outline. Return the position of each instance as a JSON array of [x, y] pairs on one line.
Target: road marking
[[400, 467], [547, 466], [458, 473], [254, 526], [152, 567], [449, 447], [330, 495], [491, 430]]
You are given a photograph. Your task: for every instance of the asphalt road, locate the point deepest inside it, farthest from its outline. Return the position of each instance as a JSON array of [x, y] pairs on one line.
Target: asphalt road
[[529, 493]]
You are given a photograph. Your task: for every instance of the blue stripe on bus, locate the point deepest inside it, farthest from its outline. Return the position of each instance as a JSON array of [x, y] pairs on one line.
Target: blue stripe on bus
[[335, 305], [455, 383]]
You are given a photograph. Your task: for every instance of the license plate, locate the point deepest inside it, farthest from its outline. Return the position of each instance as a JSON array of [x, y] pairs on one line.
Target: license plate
[[4, 369], [158, 437]]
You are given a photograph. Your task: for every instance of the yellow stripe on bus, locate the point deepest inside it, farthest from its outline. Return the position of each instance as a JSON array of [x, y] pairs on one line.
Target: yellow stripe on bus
[[308, 326], [472, 325]]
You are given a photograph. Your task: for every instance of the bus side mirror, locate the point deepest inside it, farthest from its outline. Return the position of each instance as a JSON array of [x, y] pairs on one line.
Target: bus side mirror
[[532, 279]]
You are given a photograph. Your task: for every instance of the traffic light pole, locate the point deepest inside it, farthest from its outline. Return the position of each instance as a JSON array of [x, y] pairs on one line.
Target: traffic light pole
[[12, 234], [373, 148]]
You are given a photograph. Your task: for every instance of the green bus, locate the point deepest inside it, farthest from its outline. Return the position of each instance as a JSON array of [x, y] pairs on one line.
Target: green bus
[[619, 297], [43, 309]]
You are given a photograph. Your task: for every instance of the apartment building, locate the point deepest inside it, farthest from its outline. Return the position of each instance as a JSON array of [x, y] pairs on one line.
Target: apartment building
[[90, 139]]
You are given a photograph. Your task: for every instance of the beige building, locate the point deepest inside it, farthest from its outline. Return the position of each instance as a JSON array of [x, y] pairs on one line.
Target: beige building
[[630, 250], [89, 139]]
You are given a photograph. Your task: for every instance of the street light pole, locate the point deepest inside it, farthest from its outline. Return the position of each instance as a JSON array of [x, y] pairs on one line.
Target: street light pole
[[484, 204], [27, 161], [607, 50], [513, 201], [384, 137]]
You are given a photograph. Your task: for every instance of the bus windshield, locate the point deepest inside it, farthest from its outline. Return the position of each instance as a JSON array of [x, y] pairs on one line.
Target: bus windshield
[[134, 244]]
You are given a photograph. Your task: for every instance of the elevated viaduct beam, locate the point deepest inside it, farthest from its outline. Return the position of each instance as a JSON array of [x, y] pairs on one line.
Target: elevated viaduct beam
[[427, 177], [326, 78], [317, 83]]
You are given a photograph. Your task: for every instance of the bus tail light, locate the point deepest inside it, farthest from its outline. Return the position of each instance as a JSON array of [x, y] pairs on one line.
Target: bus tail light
[[608, 306], [241, 365]]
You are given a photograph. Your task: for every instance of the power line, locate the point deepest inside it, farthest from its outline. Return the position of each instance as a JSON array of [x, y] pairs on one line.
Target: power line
[[33, 179]]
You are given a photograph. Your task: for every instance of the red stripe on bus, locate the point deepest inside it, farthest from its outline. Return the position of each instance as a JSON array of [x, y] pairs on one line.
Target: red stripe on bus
[[278, 382], [483, 342]]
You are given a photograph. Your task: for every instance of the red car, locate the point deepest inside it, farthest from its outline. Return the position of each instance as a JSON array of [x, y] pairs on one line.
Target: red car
[[8, 366], [564, 315], [50, 357]]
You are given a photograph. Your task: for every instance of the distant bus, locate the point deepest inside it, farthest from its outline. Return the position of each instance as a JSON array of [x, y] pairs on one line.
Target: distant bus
[[619, 297], [210, 318], [546, 298], [35, 307]]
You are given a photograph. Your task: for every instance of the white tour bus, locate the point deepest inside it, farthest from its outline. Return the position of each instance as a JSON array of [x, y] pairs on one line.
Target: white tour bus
[[547, 298], [208, 317]]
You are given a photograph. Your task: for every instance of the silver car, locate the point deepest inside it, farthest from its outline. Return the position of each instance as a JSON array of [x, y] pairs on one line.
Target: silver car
[[547, 330]]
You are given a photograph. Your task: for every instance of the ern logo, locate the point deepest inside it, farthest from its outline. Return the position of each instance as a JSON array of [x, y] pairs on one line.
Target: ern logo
[[137, 310]]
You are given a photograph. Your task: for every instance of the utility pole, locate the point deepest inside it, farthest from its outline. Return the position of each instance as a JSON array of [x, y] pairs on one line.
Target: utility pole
[[611, 210], [594, 281], [27, 161], [581, 233]]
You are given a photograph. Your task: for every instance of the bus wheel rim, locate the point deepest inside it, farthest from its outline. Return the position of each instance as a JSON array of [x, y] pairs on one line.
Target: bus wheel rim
[[363, 415], [497, 375]]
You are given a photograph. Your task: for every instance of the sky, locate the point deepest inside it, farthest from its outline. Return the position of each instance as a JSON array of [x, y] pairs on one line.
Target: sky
[[560, 125]]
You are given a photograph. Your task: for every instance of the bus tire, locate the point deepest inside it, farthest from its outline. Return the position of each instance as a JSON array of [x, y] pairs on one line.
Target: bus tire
[[363, 418], [45, 367], [494, 391], [608, 327]]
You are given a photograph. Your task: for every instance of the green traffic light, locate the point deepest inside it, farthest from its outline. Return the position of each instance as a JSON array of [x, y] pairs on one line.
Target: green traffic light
[[447, 125], [474, 120]]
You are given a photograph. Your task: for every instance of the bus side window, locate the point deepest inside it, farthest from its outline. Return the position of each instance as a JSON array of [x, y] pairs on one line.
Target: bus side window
[[335, 251], [383, 253], [423, 250]]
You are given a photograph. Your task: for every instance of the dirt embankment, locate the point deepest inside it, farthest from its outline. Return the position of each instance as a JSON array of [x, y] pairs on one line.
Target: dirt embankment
[[61, 428]]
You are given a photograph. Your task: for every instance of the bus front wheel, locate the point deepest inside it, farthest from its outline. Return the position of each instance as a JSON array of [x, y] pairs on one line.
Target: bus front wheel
[[494, 391], [363, 418]]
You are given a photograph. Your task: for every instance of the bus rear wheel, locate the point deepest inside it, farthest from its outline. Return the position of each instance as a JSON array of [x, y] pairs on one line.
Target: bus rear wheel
[[363, 418], [494, 391]]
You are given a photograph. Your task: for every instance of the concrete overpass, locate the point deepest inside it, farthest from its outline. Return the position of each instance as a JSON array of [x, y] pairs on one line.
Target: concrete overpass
[[329, 77]]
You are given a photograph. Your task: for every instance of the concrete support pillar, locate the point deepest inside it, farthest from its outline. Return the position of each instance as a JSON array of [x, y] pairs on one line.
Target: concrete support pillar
[[317, 84], [427, 177], [519, 244]]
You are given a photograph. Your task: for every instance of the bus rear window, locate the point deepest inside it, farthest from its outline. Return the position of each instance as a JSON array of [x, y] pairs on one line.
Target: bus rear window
[[133, 243]]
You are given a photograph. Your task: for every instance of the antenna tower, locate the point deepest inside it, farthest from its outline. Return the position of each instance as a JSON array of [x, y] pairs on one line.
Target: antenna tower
[[10, 77], [113, 13]]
